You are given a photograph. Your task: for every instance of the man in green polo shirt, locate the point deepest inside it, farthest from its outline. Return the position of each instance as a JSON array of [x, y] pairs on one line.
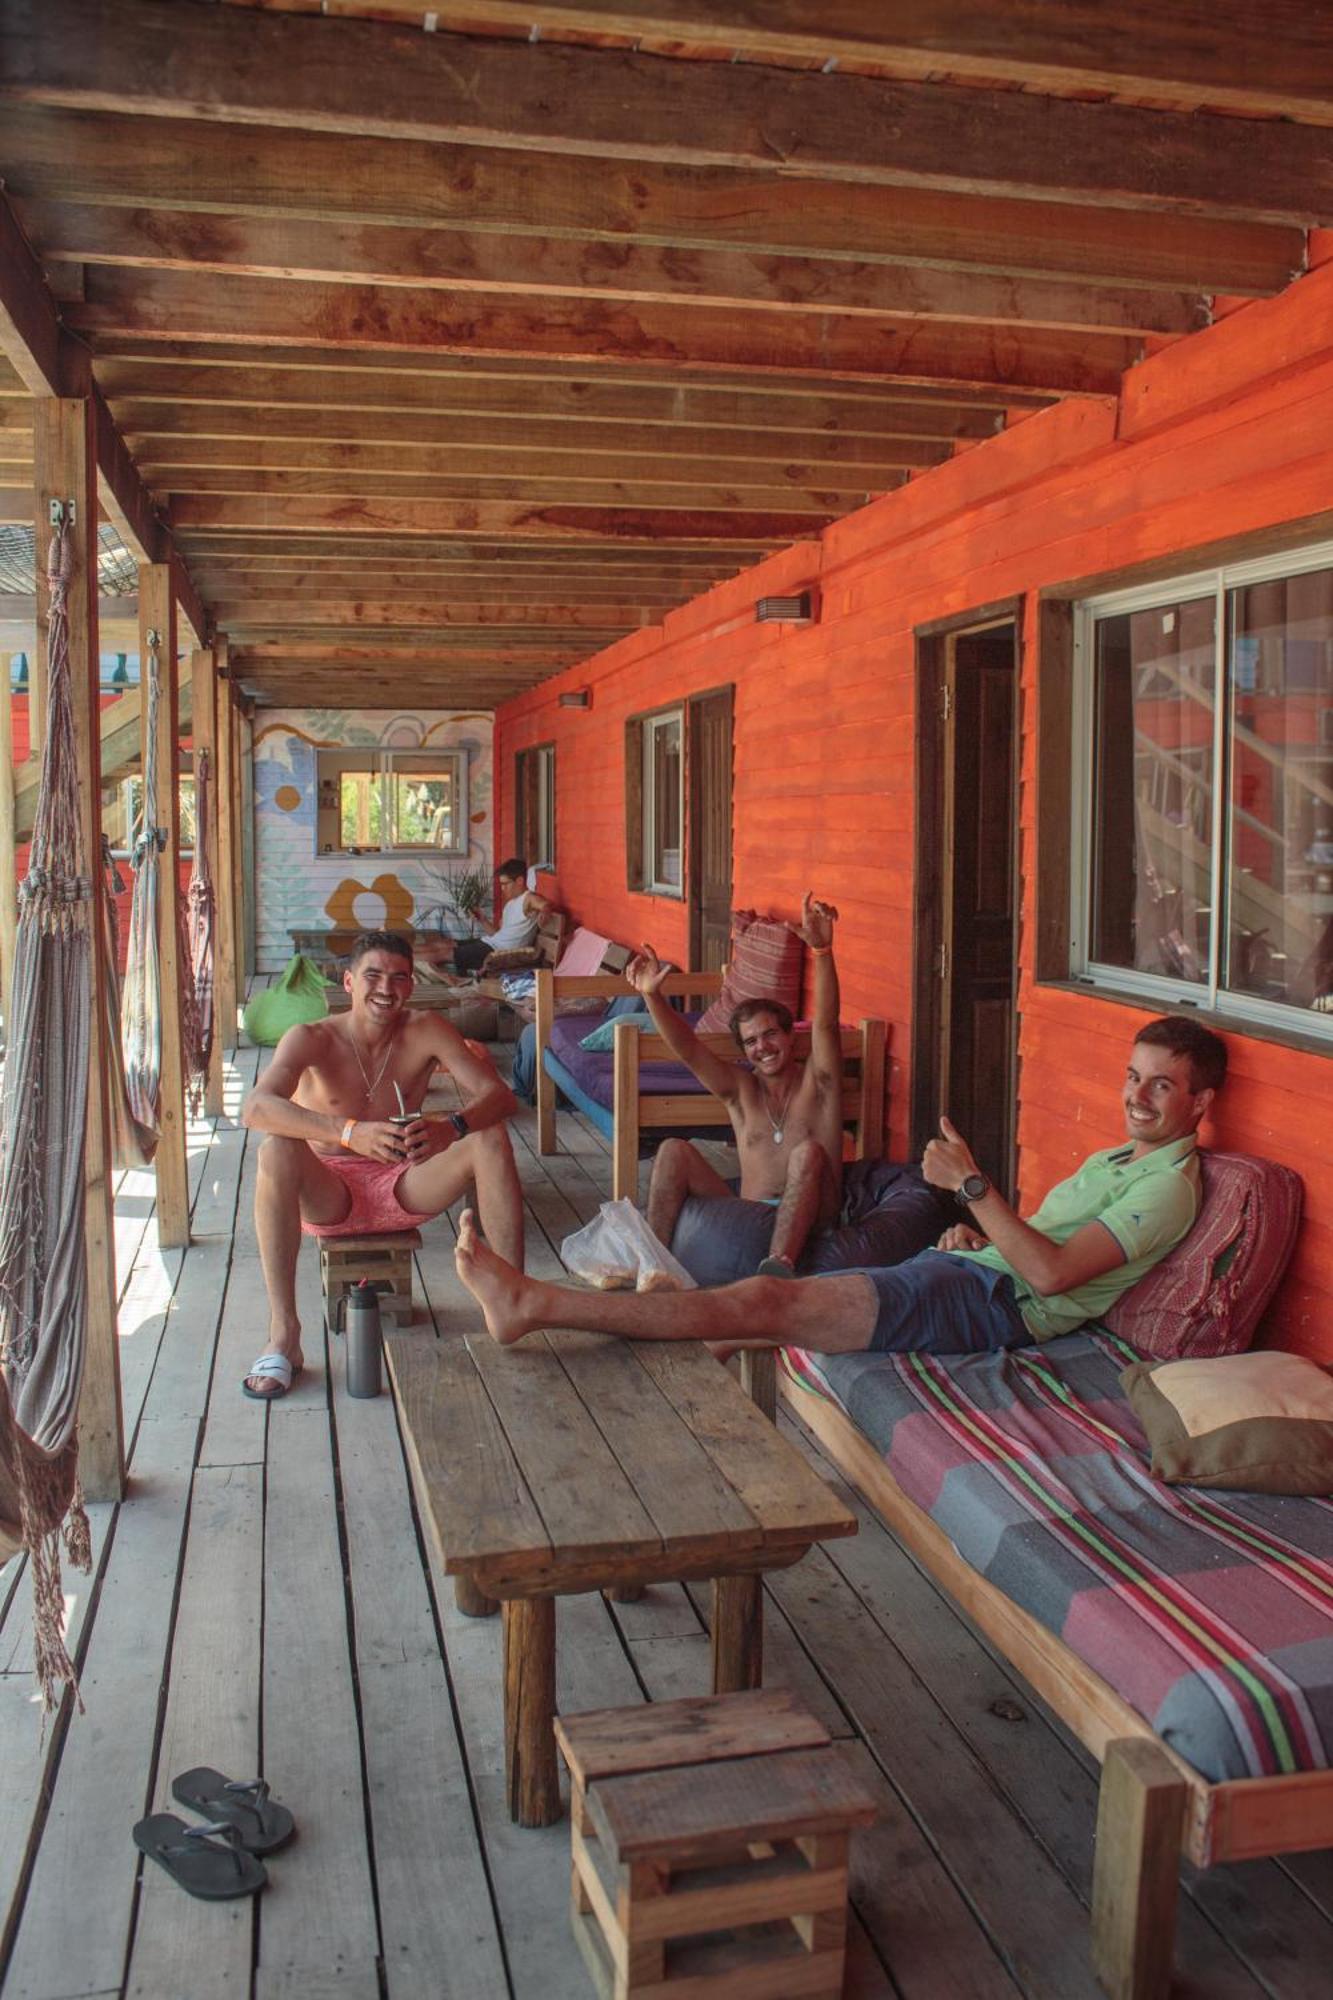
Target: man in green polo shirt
[[1092, 1237]]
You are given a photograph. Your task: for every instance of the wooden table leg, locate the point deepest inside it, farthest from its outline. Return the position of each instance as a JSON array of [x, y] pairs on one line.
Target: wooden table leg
[[473, 1603], [738, 1634], [531, 1773], [759, 1378]]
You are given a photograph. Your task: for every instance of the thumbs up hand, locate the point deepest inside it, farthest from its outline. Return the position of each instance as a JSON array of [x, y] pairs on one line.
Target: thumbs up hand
[[948, 1160]]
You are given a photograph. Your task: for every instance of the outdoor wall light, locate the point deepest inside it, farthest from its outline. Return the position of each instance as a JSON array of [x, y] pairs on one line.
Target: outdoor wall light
[[801, 610], [575, 698]]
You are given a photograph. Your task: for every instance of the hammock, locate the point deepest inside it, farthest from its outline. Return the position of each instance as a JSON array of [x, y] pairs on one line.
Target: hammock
[[43, 1109], [141, 1004], [132, 1144], [197, 957]]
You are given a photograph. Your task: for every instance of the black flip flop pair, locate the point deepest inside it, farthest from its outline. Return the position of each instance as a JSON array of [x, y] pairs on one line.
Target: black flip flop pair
[[219, 1859]]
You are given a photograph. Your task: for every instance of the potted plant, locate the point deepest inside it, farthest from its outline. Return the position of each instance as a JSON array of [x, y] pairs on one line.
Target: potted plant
[[466, 892]]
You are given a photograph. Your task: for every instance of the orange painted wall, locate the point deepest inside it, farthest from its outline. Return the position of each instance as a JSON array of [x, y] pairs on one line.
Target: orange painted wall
[[1224, 434]]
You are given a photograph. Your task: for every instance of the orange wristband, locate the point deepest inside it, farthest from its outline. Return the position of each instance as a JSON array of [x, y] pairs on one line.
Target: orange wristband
[[345, 1136]]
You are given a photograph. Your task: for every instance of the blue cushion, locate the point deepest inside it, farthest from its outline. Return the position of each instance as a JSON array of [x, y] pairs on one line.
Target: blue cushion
[[603, 1036]]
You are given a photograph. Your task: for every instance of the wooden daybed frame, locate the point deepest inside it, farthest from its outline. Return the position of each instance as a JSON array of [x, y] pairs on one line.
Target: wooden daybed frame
[[1153, 1807], [635, 1112]]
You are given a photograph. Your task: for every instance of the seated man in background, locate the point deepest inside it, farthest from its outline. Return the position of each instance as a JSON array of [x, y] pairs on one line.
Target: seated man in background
[[1093, 1237], [337, 1160], [786, 1114], [521, 910]]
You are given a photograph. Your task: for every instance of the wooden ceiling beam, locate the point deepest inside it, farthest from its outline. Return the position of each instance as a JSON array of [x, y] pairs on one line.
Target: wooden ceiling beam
[[300, 401], [39, 349], [156, 59], [813, 505], [427, 377], [286, 550], [464, 262], [1228, 55], [485, 517], [251, 311], [244, 614], [153, 163]]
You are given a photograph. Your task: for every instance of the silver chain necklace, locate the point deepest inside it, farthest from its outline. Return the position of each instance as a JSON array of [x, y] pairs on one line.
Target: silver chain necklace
[[371, 1088], [777, 1125]]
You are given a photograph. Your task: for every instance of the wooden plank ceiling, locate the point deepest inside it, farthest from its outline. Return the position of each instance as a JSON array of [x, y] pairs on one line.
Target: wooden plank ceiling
[[452, 344]]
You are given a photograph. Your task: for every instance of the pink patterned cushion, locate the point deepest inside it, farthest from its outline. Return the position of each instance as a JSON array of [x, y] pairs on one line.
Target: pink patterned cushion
[[765, 965]]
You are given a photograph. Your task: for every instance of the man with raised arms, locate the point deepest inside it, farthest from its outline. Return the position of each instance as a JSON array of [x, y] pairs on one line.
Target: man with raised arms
[[786, 1114], [1093, 1237], [334, 1162]]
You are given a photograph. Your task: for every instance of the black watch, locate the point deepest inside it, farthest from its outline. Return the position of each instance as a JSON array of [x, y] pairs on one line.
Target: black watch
[[459, 1123], [971, 1188]]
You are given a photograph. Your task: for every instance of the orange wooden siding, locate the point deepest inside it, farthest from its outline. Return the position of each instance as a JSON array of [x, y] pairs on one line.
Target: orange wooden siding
[[1229, 433]]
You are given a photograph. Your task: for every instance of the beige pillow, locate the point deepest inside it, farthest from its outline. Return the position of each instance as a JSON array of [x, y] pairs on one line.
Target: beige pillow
[[1256, 1423]]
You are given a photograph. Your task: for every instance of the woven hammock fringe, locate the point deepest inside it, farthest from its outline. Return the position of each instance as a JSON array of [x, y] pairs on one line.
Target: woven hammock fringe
[[197, 957]]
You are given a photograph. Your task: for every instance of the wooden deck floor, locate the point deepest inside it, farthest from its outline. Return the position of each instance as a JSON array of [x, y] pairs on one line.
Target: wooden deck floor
[[264, 1598]]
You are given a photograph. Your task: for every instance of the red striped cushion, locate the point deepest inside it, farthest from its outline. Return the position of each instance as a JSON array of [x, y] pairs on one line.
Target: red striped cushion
[[765, 965]]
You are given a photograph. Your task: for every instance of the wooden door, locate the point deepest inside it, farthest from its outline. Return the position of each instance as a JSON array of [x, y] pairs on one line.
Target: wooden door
[[708, 780], [965, 1044]]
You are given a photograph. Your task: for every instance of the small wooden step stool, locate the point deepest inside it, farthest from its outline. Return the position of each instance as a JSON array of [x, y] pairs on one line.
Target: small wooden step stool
[[386, 1261], [710, 1842]]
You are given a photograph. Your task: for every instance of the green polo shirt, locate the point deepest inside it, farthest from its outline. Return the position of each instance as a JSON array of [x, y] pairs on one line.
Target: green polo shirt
[[1147, 1205]]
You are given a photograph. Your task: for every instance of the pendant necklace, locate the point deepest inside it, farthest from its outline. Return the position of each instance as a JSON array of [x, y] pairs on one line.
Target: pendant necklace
[[371, 1088], [775, 1125]]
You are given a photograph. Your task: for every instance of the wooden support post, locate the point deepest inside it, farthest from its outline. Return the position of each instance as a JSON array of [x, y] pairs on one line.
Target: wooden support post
[[249, 882], [738, 1634], [157, 614], [532, 1776], [472, 1601], [8, 884], [203, 736], [759, 1378], [237, 801], [1140, 1817], [546, 1139], [65, 470], [225, 982]]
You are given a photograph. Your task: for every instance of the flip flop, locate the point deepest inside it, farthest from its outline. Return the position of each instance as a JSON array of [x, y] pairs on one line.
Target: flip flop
[[207, 1861], [274, 1367], [260, 1823]]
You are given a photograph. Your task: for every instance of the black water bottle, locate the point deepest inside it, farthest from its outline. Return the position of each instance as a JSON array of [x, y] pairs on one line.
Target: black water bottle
[[362, 1322]]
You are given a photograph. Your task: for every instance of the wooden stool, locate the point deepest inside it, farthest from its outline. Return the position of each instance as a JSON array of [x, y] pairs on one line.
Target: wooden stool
[[724, 1881], [385, 1261]]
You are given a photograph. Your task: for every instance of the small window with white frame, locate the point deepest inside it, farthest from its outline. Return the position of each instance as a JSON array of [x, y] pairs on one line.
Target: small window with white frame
[[1203, 823], [391, 802], [663, 802], [123, 806]]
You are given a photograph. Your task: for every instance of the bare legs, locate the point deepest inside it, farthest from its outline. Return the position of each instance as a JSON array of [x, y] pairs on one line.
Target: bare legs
[[833, 1314], [487, 1159], [810, 1200], [679, 1171], [291, 1183]]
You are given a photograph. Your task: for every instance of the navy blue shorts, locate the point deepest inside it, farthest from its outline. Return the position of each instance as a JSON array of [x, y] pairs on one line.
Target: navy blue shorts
[[938, 1304]]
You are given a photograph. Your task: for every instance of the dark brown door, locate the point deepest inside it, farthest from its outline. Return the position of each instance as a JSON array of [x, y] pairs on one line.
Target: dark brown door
[[965, 1045], [709, 785]]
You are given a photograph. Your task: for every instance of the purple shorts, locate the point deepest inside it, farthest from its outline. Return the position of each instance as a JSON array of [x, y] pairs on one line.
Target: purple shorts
[[373, 1186]]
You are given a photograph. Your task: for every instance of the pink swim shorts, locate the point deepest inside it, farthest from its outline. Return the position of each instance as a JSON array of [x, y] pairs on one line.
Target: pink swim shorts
[[373, 1186]]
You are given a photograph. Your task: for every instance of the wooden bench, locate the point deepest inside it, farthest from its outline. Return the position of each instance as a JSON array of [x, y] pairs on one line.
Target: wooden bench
[[384, 1261], [635, 1111], [1153, 1806], [709, 1847]]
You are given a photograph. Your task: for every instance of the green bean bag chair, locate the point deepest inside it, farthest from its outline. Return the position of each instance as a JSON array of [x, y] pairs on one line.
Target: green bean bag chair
[[298, 996]]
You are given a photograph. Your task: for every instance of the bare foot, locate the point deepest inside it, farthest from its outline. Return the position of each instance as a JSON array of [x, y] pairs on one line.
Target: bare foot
[[266, 1387], [505, 1296]]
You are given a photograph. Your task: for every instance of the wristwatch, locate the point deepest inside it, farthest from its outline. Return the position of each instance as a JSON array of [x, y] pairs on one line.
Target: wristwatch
[[971, 1188], [459, 1123]]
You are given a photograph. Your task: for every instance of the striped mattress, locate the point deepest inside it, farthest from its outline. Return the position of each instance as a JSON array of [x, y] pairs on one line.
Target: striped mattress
[[1210, 1614]]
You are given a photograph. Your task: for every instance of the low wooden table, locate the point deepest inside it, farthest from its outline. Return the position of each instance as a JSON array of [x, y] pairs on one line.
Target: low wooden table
[[572, 1462]]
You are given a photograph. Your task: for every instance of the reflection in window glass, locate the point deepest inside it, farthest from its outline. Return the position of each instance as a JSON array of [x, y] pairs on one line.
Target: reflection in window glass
[[424, 809], [359, 808], [663, 793], [1154, 686], [1279, 938]]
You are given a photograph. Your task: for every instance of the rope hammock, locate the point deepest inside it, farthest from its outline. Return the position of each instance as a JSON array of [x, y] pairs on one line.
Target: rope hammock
[[141, 1002], [197, 957], [43, 1111], [132, 1144]]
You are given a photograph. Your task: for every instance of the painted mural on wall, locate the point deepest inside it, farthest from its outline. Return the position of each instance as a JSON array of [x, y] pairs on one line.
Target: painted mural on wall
[[360, 885]]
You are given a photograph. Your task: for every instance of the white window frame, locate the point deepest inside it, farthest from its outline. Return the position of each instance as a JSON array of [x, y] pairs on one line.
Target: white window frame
[[661, 719], [384, 765], [538, 843], [1174, 995]]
